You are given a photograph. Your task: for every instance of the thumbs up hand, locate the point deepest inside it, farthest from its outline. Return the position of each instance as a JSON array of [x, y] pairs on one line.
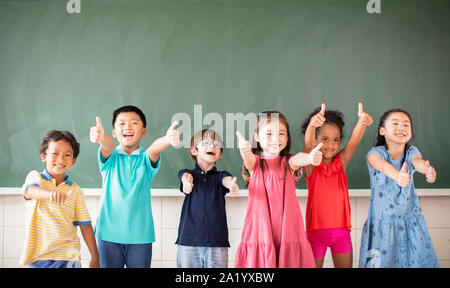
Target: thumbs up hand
[[318, 119], [364, 118], [315, 156], [97, 132], [172, 135], [243, 144], [188, 183], [403, 176], [59, 197], [430, 172], [234, 189]]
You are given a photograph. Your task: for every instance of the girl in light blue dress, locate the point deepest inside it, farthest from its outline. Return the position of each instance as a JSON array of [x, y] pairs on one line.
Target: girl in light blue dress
[[395, 232]]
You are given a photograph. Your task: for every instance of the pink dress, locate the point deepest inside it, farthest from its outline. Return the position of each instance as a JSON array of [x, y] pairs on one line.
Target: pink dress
[[273, 235]]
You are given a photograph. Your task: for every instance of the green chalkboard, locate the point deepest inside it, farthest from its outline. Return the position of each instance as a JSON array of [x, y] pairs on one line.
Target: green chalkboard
[[60, 70]]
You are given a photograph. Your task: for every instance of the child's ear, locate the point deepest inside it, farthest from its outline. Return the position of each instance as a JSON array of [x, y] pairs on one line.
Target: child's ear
[[144, 131], [382, 131], [114, 133], [74, 160], [256, 136], [193, 151], [43, 157]]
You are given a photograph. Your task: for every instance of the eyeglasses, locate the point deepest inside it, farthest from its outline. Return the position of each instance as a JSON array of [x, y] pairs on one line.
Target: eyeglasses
[[207, 143]]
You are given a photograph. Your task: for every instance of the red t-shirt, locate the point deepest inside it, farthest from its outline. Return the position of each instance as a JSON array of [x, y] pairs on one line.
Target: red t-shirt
[[328, 202]]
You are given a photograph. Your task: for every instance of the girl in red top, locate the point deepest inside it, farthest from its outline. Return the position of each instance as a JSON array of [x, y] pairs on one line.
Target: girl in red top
[[328, 222]]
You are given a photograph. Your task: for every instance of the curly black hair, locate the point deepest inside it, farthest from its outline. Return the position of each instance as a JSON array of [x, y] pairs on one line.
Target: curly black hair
[[331, 116], [54, 136]]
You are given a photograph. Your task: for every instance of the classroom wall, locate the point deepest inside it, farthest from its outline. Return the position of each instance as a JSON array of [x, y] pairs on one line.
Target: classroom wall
[[166, 211]]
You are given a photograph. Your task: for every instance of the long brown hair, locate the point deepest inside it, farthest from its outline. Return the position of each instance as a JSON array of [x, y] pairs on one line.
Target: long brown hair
[[264, 118]]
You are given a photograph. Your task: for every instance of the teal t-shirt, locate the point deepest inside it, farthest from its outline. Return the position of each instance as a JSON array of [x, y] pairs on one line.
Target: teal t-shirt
[[125, 214]]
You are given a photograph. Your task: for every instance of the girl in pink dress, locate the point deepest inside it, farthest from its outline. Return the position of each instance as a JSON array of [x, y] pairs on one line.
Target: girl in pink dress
[[273, 234]]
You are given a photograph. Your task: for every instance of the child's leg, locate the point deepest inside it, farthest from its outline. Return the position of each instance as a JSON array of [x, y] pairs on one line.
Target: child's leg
[[138, 255], [318, 241], [189, 257], [342, 260], [111, 255], [319, 262], [216, 257], [341, 248]]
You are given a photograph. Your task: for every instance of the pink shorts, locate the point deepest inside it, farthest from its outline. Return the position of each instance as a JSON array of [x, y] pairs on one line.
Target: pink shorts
[[338, 239]]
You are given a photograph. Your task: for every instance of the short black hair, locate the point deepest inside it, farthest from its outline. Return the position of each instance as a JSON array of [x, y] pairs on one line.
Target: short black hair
[[331, 117], [55, 135], [129, 108]]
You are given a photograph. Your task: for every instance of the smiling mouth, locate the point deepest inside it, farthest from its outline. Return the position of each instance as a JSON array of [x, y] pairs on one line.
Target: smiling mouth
[[211, 153], [128, 136], [400, 135]]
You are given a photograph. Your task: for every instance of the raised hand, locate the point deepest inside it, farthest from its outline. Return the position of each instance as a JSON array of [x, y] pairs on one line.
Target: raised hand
[[243, 144], [403, 176], [318, 119], [430, 172], [364, 118], [188, 183], [315, 156], [172, 135], [97, 132]]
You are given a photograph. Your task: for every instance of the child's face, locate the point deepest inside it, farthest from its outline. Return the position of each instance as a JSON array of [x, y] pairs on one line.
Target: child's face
[[58, 158], [128, 129], [397, 128], [272, 137], [330, 136], [207, 151]]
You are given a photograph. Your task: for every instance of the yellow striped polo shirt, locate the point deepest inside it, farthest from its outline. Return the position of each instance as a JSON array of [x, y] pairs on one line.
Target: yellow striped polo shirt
[[51, 228]]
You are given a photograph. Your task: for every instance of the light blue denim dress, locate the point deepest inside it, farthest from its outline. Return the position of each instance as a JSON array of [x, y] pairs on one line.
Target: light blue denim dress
[[395, 232]]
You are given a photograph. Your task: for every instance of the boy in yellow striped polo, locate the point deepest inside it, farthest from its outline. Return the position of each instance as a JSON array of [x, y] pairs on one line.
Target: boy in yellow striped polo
[[55, 208]]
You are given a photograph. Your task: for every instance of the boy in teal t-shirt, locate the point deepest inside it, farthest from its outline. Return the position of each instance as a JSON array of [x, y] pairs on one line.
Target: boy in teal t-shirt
[[125, 229]]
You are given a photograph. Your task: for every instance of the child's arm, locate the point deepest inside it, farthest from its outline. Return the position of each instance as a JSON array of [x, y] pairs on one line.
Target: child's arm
[[423, 166], [401, 177], [310, 133], [304, 159], [44, 194], [246, 152], [89, 239], [230, 183], [358, 132], [97, 135], [172, 137]]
